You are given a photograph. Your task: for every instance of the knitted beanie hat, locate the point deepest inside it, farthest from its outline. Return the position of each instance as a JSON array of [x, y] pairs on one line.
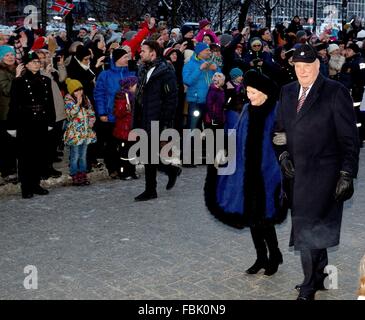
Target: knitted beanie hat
[[185, 29], [82, 52], [118, 53], [203, 23], [4, 50], [200, 46], [73, 85], [235, 73]]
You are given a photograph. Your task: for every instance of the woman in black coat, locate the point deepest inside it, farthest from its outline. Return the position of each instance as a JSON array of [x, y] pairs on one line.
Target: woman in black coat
[[79, 69], [251, 195]]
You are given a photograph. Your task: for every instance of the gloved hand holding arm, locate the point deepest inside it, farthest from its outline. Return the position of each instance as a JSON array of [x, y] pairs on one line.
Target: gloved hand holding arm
[[286, 165], [345, 187]]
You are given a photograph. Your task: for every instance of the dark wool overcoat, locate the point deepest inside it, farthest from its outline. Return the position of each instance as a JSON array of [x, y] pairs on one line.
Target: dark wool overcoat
[[322, 140]]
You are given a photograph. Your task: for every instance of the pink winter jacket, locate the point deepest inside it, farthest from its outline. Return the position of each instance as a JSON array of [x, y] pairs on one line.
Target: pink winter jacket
[[199, 37]]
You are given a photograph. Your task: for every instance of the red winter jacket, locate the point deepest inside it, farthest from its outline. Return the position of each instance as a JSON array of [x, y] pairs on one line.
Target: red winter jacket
[[135, 42], [123, 118]]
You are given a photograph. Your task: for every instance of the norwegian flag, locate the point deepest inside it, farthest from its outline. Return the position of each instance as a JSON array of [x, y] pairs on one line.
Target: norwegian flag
[[62, 7]]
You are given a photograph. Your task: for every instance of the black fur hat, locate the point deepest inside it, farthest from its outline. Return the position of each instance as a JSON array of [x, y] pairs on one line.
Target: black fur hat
[[261, 83]]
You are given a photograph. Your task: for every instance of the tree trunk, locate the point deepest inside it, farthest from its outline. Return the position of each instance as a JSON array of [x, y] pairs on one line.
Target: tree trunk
[[315, 15], [44, 14], [245, 5], [221, 15], [173, 13], [268, 12], [69, 23]]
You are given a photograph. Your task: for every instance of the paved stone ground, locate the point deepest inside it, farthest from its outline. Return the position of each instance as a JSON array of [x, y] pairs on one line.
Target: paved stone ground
[[96, 243]]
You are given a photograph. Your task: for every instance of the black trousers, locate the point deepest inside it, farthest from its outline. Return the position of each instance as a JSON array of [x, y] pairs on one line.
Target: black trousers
[[313, 263], [7, 151], [106, 147], [151, 169], [32, 154], [264, 237]]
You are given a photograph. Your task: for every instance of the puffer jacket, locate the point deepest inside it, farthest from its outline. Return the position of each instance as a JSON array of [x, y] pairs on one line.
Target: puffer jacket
[[197, 81], [80, 121], [123, 115], [107, 85], [156, 99]]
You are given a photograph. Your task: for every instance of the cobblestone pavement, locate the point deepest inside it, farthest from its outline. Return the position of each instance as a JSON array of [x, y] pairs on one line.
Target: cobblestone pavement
[[96, 243]]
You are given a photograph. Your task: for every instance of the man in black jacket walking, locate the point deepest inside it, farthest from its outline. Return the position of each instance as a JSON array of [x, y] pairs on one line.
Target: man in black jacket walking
[[156, 100]]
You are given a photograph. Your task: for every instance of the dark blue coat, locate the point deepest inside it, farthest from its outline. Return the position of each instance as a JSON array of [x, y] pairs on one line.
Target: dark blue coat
[[225, 193], [322, 140]]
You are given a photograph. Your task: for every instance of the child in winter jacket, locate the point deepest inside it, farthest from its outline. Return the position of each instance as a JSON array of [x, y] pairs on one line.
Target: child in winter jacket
[[214, 115], [124, 102], [204, 26], [79, 133]]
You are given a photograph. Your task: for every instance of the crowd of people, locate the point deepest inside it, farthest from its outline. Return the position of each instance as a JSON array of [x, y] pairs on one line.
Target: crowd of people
[[88, 93]]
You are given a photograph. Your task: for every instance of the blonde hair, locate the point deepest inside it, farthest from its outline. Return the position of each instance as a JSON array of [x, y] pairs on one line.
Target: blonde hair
[[361, 291]]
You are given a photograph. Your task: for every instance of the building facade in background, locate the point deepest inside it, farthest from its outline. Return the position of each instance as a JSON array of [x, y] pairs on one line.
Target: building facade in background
[[327, 10]]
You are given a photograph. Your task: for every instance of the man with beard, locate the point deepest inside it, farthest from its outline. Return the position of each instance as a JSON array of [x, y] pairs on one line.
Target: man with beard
[[156, 100]]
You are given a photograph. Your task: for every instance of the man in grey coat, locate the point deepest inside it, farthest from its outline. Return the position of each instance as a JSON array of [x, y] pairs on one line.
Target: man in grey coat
[[318, 147]]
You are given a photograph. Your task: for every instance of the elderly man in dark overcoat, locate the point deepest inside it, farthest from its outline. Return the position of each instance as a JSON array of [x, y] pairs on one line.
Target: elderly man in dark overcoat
[[318, 147]]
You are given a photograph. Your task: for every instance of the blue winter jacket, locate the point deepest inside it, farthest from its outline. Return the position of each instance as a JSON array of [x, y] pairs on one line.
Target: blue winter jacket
[[107, 85], [197, 81]]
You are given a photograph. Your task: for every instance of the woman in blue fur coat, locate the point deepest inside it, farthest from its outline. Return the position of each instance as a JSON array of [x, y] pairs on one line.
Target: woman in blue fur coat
[[252, 195]]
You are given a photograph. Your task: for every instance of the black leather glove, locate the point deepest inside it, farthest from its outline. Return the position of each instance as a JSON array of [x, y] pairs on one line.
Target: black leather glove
[[345, 187], [286, 165]]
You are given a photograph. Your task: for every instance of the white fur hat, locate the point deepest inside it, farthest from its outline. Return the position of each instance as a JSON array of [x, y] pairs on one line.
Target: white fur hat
[[176, 30], [360, 34], [332, 47]]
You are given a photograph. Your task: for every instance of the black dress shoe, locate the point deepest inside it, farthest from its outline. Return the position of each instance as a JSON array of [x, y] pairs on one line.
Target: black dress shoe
[[146, 195], [40, 191], [27, 195], [318, 287], [135, 176], [306, 296], [257, 266], [176, 171]]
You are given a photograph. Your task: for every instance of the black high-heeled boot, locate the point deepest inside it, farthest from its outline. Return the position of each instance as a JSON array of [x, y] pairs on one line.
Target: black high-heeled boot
[[275, 258], [260, 263]]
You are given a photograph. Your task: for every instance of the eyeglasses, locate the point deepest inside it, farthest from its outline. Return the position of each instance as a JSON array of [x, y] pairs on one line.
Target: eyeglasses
[[35, 62], [86, 59], [256, 45]]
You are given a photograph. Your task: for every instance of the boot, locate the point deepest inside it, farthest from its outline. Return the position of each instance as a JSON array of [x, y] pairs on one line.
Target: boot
[[76, 180], [260, 263], [275, 258], [40, 191], [84, 179], [173, 174], [146, 195]]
